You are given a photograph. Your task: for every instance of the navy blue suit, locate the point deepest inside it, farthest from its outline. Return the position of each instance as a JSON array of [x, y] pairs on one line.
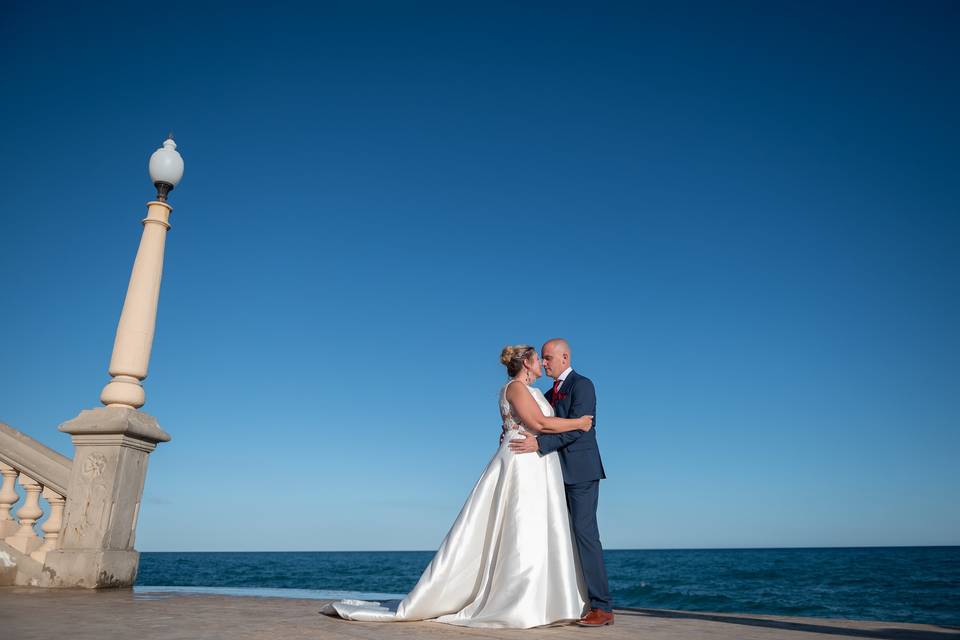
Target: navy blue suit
[[582, 472]]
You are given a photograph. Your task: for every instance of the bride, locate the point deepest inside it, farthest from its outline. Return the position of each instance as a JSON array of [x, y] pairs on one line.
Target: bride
[[508, 561]]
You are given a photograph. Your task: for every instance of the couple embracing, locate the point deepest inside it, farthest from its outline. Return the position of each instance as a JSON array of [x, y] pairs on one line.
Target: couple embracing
[[525, 549]]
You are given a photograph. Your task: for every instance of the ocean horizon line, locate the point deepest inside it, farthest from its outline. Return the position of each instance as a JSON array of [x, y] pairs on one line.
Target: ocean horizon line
[[799, 548]]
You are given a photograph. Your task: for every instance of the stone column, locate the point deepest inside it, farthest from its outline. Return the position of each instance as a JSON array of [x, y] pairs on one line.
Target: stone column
[[111, 443], [131, 349], [106, 487]]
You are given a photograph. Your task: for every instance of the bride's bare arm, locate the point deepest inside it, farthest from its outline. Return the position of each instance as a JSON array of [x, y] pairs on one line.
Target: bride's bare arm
[[532, 417]]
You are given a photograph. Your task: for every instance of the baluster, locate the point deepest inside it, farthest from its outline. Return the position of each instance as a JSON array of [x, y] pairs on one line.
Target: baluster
[[8, 498], [51, 528], [26, 539]]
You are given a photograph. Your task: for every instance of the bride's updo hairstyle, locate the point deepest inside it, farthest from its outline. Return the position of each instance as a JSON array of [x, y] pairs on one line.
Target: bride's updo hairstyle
[[514, 357]]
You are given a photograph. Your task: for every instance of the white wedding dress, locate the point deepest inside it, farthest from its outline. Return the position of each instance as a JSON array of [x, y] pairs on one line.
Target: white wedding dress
[[508, 561]]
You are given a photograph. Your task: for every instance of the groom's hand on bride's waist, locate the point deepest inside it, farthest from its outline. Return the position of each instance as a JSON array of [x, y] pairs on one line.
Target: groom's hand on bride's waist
[[526, 444]]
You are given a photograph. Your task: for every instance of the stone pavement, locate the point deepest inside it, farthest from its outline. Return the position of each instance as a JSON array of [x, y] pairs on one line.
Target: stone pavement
[[46, 614]]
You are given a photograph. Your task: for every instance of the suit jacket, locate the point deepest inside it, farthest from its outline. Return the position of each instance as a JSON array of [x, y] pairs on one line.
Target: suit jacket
[[578, 451]]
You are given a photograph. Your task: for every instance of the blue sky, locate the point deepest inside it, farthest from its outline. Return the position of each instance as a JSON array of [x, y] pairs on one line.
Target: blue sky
[[744, 219]]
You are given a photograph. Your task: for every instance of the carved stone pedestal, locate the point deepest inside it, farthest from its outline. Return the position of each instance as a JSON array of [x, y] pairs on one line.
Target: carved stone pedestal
[[106, 486]]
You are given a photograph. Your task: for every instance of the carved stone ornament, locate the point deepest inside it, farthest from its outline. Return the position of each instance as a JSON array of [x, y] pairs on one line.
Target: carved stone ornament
[[94, 465]]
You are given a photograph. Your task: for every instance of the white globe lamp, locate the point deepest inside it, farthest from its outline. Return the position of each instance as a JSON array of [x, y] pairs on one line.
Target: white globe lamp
[[166, 168]]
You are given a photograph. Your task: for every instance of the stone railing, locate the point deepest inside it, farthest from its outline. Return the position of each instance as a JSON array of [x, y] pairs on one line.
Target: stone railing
[[41, 471], [94, 501]]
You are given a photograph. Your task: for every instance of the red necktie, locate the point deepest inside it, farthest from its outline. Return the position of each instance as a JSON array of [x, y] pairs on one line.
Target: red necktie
[[556, 389]]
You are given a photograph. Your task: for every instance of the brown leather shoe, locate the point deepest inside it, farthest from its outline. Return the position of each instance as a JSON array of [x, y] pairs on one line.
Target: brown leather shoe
[[596, 618]]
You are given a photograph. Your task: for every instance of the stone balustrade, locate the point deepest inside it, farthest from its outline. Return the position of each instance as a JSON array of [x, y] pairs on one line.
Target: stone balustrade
[[40, 472], [91, 506], [18, 526]]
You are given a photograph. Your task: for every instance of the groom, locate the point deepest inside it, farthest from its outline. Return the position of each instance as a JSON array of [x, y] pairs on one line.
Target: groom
[[573, 396]]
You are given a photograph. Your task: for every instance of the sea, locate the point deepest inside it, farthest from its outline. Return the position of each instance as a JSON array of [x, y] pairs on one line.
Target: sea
[[902, 584]]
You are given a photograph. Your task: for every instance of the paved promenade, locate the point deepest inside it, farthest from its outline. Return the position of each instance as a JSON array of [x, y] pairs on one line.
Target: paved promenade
[[36, 614]]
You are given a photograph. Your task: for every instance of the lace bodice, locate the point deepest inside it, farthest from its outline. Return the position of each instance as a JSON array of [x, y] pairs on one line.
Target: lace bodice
[[510, 418]]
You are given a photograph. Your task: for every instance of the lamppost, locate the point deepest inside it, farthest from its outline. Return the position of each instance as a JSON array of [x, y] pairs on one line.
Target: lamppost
[[131, 349], [112, 442]]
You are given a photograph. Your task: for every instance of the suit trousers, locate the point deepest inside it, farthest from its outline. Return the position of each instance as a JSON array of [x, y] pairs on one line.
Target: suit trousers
[[582, 499]]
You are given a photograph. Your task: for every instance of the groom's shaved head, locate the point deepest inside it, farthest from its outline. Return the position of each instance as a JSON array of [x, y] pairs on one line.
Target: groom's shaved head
[[555, 355], [557, 343]]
